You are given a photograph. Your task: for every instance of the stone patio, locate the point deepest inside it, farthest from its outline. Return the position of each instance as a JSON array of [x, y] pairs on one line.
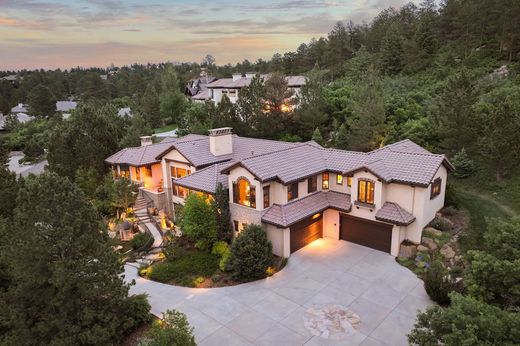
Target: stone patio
[[368, 283]]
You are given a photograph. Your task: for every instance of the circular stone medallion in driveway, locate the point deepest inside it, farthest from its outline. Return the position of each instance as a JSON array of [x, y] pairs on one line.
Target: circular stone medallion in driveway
[[331, 321]]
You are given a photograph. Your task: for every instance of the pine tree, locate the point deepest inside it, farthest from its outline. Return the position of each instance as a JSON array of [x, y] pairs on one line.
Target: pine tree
[[464, 165], [367, 126], [172, 101], [392, 52], [150, 107], [66, 286], [41, 102], [86, 140], [8, 187], [250, 106], [317, 137]]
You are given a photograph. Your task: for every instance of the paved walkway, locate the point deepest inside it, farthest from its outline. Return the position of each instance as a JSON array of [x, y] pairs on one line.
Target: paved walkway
[[142, 214], [385, 295]]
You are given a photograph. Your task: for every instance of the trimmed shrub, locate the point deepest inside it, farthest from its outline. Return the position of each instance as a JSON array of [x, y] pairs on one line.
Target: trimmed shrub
[[219, 248], [223, 264], [438, 284], [172, 330], [141, 241], [251, 254], [137, 309]]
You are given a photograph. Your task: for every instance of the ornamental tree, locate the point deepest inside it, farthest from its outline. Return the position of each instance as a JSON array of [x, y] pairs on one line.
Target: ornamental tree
[[198, 221]]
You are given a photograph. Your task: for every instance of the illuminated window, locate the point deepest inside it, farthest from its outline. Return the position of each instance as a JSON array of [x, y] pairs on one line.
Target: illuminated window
[[180, 191], [124, 172], [436, 188], [266, 196], [349, 181], [366, 191], [244, 193], [312, 184], [178, 172], [325, 181], [292, 191], [339, 179]]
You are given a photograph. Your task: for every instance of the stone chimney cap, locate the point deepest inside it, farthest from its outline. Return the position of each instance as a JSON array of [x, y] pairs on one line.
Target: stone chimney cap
[[221, 131]]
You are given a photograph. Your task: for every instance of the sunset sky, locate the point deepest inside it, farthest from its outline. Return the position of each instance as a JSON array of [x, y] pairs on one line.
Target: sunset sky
[[64, 34]]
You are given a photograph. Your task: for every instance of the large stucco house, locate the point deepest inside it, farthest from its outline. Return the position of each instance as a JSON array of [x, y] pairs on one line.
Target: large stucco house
[[231, 86], [299, 192]]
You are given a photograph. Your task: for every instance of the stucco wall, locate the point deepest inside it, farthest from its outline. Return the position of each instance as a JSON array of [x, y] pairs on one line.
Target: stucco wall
[[279, 239], [166, 163], [331, 224]]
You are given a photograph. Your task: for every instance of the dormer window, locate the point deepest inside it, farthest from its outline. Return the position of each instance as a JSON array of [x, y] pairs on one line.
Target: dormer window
[[436, 188], [244, 193], [366, 191]]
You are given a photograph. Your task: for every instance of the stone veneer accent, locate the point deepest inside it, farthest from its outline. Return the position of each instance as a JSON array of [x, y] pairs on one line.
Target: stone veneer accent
[[245, 214]]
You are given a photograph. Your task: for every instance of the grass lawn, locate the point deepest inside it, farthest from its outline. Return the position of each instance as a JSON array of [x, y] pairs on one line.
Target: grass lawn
[[165, 128], [479, 208], [187, 270]]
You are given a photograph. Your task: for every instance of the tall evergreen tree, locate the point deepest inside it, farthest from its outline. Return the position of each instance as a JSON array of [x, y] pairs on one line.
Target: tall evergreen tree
[[223, 215], [367, 126], [66, 286], [392, 53], [172, 101], [41, 102], [8, 187], [86, 140]]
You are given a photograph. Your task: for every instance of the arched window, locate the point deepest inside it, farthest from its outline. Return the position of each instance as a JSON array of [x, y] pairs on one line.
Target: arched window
[[366, 191], [244, 193]]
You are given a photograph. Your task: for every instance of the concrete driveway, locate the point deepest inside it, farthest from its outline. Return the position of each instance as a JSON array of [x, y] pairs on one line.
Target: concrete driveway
[[385, 295]]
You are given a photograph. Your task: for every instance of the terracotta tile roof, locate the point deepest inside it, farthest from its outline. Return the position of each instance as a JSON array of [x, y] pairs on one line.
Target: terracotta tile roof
[[198, 153], [299, 209], [204, 180], [394, 213], [147, 155], [403, 162]]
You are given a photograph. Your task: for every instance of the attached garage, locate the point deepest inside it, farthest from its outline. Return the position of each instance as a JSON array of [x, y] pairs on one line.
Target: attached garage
[[306, 231], [364, 232]]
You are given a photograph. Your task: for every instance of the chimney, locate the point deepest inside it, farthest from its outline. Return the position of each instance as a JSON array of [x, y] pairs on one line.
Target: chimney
[[250, 74], [146, 140], [221, 141], [236, 76]]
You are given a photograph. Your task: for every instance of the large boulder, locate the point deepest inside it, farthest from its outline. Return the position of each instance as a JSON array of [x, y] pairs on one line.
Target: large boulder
[[408, 250], [422, 248], [430, 243], [433, 231], [447, 251]]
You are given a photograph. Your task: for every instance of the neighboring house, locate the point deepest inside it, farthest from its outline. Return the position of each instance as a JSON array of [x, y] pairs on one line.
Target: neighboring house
[[197, 88], [19, 108], [231, 86], [301, 192], [65, 107], [10, 78], [20, 113]]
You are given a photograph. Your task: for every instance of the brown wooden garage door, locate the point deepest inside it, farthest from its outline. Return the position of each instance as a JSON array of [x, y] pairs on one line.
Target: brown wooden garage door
[[305, 232], [373, 234]]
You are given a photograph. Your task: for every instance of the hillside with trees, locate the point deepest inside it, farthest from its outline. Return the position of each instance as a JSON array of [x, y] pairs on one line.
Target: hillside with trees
[[445, 76]]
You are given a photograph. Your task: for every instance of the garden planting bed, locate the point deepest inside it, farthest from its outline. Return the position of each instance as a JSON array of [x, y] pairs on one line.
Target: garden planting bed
[[183, 264]]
